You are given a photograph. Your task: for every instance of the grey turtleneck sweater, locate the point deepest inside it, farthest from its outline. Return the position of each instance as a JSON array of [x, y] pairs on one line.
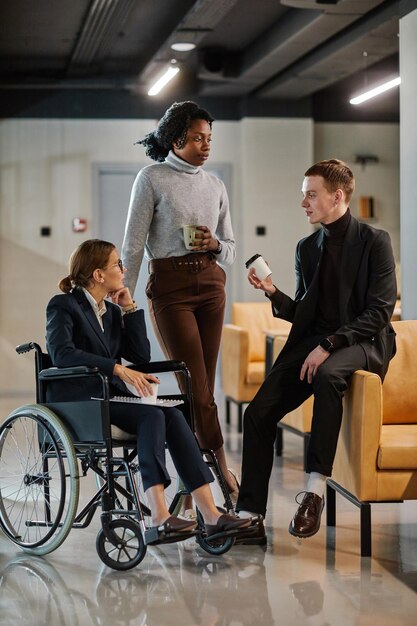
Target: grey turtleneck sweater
[[165, 197]]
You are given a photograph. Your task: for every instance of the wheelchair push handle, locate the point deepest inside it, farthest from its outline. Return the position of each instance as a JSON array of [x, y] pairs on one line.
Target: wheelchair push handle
[[27, 347]]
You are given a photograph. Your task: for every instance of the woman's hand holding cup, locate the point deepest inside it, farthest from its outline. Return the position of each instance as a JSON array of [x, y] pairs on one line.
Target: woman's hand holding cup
[[199, 239]]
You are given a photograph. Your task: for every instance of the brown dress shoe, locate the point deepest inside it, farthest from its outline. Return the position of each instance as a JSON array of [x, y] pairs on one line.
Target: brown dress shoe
[[252, 537], [227, 523], [306, 521]]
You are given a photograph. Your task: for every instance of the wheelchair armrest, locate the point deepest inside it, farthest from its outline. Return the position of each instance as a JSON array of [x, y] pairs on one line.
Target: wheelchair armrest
[[78, 371], [160, 367], [63, 372]]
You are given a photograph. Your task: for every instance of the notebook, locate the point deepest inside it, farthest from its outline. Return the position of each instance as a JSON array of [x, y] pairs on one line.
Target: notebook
[[168, 402]]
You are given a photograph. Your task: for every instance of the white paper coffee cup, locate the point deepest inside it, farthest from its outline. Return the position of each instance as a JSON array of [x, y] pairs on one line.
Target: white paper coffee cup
[[261, 267], [151, 399], [189, 232]]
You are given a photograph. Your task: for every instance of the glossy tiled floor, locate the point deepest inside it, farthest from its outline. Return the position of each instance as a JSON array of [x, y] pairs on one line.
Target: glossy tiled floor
[[290, 582]]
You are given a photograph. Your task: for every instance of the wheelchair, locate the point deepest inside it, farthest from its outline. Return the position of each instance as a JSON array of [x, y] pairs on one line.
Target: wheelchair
[[47, 448]]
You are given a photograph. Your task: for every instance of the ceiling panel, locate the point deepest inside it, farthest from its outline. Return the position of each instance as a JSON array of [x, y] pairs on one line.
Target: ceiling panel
[[248, 52]]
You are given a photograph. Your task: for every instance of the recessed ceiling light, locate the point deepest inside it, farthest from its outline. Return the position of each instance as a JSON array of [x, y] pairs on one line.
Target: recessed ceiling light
[[183, 47]]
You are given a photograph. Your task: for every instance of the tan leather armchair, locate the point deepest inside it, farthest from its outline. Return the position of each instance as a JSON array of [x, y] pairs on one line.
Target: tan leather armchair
[[243, 352], [376, 457]]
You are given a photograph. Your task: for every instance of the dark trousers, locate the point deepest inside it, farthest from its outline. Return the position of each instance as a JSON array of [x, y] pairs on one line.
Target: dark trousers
[[282, 392], [186, 300], [153, 427]]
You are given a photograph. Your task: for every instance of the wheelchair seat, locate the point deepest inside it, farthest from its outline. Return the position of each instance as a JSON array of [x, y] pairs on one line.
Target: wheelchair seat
[[119, 436]]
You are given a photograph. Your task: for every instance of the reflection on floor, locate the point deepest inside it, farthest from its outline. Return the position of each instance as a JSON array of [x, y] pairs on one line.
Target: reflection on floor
[[290, 582]]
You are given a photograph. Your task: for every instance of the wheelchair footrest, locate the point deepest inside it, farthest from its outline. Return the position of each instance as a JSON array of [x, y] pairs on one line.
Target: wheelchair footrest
[[155, 536], [231, 533]]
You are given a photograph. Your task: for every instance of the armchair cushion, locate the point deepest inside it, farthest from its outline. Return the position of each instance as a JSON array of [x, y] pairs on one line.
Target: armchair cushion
[[398, 447], [256, 372]]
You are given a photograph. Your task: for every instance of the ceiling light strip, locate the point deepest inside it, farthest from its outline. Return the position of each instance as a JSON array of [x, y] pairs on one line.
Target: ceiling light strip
[[376, 91], [163, 80]]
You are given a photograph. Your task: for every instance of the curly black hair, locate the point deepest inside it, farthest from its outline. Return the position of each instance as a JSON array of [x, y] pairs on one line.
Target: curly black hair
[[173, 127]]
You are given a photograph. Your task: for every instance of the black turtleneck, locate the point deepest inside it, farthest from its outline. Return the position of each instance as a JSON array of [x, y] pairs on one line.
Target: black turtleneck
[[327, 314]]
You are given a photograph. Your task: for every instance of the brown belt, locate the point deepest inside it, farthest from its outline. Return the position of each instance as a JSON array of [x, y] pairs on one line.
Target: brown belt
[[193, 263]]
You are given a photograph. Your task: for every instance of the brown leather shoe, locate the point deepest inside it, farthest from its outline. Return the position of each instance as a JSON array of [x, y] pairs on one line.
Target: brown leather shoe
[[227, 523], [252, 537], [306, 521]]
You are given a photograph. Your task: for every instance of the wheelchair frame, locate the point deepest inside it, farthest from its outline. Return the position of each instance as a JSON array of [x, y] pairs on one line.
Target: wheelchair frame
[[68, 432]]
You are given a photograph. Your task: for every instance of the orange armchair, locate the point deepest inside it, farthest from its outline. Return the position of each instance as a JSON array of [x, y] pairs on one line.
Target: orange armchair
[[243, 352], [376, 457]]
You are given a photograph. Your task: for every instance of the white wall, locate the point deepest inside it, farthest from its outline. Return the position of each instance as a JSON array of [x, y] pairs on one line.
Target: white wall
[[46, 172], [408, 99], [275, 154]]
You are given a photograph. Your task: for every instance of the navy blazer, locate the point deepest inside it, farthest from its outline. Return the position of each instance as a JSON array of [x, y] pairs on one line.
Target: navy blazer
[[74, 337], [367, 294]]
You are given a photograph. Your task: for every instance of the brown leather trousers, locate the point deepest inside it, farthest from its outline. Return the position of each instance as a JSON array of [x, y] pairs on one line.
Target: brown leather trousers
[[186, 300]]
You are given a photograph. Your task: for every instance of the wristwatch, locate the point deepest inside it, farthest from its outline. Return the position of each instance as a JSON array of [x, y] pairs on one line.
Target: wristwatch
[[327, 345], [218, 249]]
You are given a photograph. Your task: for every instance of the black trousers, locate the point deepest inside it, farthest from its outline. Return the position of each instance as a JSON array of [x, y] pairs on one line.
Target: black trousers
[[282, 392], [153, 427]]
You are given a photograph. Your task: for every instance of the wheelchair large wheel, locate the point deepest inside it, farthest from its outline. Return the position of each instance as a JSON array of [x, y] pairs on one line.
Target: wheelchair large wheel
[[39, 484], [130, 549]]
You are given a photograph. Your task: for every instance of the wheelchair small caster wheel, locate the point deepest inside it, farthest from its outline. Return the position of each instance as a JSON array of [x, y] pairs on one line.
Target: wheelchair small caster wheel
[[130, 548], [216, 546]]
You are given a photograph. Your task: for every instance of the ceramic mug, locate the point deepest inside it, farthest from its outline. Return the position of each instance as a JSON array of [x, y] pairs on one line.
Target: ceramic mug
[[190, 231]]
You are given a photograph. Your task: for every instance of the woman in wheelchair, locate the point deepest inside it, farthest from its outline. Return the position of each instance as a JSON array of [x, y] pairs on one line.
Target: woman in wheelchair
[[96, 323]]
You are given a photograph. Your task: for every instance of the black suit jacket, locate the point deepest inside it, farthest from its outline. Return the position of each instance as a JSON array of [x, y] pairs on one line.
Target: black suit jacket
[[74, 337], [367, 293]]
